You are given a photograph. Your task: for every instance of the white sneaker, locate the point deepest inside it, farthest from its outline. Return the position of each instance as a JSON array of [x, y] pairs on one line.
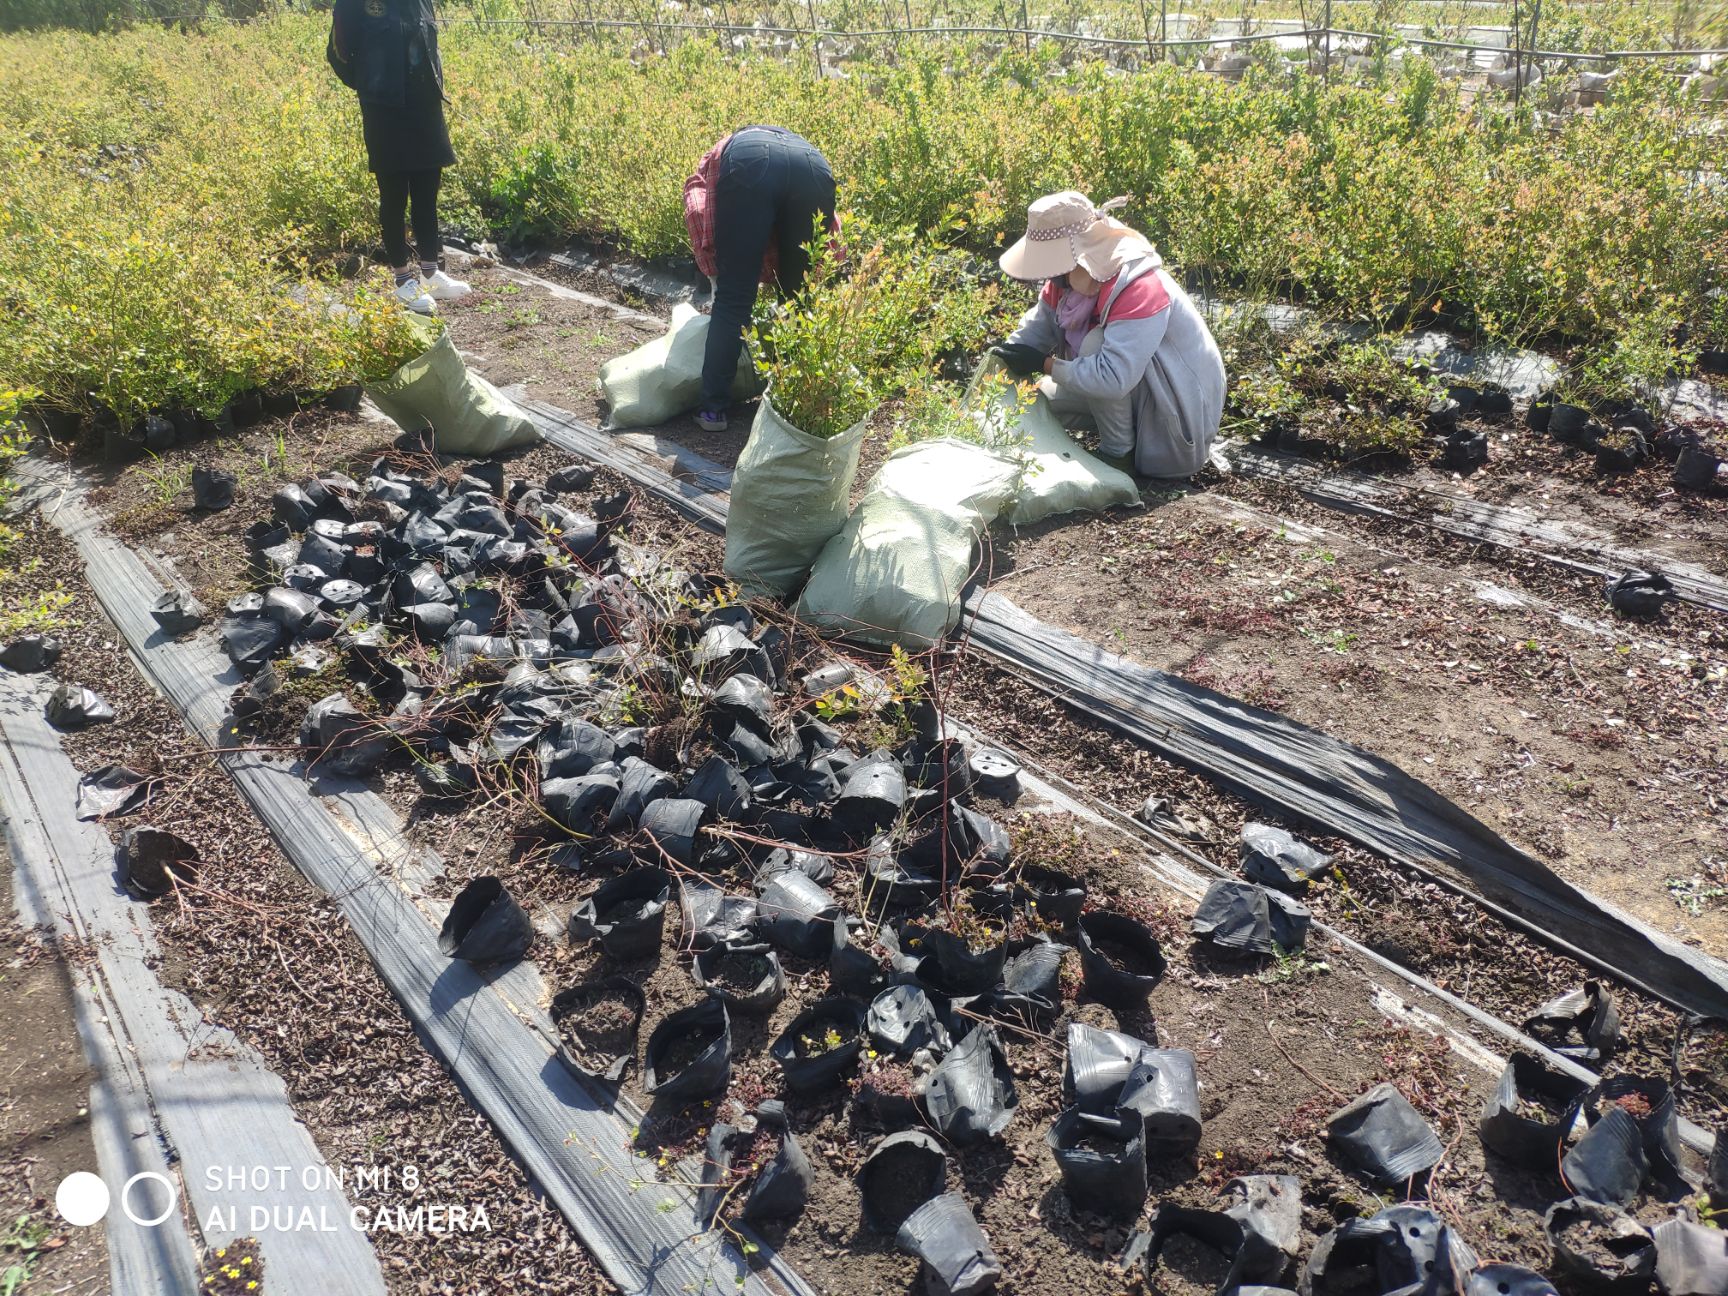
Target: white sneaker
[[441, 287], [411, 295]]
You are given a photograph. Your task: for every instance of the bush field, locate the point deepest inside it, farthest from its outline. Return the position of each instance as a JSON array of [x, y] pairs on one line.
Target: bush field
[[159, 189]]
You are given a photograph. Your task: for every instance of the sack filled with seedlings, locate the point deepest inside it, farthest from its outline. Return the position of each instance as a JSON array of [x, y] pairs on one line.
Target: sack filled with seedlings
[[597, 1022], [790, 494], [1384, 1136], [626, 914], [485, 925], [467, 414], [662, 379], [820, 1043], [689, 1054]]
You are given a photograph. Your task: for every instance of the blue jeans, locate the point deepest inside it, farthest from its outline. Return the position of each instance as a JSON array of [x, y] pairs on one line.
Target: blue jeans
[[772, 186]]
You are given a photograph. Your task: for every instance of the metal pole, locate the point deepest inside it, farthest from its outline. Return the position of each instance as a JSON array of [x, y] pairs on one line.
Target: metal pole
[[1026, 23], [1326, 58], [816, 38]]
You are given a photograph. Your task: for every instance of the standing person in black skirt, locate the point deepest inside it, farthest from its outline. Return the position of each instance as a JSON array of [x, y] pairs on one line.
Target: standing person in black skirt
[[386, 51]]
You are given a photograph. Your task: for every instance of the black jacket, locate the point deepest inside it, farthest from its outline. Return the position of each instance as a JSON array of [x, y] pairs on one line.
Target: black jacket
[[375, 45]]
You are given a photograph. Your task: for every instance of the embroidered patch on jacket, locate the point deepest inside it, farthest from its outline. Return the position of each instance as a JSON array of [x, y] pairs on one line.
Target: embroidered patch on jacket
[[374, 8]]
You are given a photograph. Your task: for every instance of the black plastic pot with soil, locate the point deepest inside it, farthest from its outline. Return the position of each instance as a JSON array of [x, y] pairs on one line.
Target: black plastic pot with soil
[[1030, 995], [1581, 1024], [1120, 959], [797, 914], [747, 978], [151, 860], [1259, 1232], [1384, 1136], [626, 914], [598, 1022], [1052, 897], [956, 1255], [901, 1173], [820, 1044], [1102, 1158], [485, 925], [1598, 1248], [961, 966], [689, 1055], [1531, 1111]]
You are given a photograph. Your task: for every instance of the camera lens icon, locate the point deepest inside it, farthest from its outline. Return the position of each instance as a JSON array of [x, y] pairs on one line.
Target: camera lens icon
[[83, 1199]]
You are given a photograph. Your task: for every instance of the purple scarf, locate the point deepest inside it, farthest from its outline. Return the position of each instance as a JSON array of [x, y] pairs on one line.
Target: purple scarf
[[1074, 314]]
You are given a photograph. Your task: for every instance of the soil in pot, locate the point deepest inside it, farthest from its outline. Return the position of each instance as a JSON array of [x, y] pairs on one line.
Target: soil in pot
[[598, 1024], [741, 972], [902, 1173]]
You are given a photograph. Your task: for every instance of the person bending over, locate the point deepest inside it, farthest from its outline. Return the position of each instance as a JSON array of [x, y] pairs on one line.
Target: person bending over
[[1117, 340], [750, 208], [386, 51]]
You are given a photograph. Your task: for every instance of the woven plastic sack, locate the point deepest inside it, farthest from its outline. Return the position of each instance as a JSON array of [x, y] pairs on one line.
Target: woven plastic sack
[[789, 496], [467, 414], [662, 379], [895, 572], [1061, 477]]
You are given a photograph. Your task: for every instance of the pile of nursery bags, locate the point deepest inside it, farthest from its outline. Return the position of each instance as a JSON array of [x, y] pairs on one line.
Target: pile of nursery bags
[[894, 570]]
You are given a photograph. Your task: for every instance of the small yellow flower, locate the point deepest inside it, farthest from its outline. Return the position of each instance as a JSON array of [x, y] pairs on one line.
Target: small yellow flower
[[246, 1260], [221, 1253]]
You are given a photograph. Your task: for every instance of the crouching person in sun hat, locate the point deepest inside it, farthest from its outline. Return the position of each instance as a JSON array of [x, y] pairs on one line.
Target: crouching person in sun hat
[[386, 51], [750, 209], [1117, 339]]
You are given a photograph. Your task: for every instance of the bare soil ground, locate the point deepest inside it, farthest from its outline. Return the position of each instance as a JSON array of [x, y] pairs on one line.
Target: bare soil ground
[[1593, 740], [44, 1112]]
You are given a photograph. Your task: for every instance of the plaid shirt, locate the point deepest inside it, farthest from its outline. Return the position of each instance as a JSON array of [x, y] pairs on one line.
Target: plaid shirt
[[699, 192]]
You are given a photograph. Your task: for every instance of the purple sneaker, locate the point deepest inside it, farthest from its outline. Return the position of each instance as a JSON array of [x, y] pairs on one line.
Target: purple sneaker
[[711, 420]]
